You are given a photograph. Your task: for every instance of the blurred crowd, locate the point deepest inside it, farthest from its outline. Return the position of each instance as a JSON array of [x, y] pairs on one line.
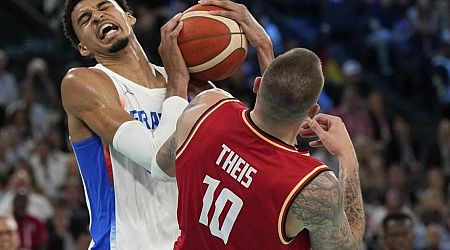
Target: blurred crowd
[[387, 71]]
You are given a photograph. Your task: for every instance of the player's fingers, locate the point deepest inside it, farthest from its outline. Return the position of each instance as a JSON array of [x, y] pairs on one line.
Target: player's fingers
[[177, 30], [324, 118], [315, 126], [224, 13], [308, 132], [315, 144], [229, 5], [171, 24], [305, 125]]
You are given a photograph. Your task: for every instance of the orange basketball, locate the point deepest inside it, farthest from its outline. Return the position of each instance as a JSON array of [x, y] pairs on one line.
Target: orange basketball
[[213, 47]]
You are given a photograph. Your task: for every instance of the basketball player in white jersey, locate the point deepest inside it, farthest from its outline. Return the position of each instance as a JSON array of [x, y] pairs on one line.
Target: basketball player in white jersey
[[122, 110]]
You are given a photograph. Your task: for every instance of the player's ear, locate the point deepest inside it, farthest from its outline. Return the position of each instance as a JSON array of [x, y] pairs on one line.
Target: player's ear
[[314, 110], [131, 19], [83, 50], [256, 84]]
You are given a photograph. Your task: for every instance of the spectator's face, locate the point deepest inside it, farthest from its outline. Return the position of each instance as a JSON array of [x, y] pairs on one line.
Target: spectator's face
[[398, 235], [433, 236], [9, 238]]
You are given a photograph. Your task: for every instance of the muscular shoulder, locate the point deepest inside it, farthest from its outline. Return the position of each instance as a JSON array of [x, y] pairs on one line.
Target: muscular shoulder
[[80, 78], [199, 105], [86, 86], [316, 207]]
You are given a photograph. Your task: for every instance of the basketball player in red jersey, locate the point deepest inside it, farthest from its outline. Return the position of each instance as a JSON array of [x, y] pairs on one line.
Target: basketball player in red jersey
[[243, 184]]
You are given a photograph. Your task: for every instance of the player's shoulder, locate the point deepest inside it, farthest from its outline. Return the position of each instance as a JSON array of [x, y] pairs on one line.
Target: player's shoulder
[[202, 102], [79, 80], [322, 191], [211, 96], [85, 85], [83, 75]]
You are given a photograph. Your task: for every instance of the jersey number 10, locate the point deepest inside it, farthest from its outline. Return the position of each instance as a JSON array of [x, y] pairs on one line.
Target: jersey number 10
[[224, 196]]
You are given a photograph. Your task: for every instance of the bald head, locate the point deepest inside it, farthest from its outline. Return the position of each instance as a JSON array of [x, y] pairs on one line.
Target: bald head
[[290, 86]]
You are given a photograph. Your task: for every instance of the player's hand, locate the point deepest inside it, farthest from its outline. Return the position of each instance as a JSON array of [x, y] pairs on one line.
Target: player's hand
[[332, 134], [177, 72], [254, 32]]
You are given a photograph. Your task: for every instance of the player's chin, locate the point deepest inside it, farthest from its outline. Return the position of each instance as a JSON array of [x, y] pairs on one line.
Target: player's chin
[[118, 44]]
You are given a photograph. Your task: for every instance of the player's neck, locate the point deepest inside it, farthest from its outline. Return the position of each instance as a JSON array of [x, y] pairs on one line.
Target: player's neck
[[285, 133], [131, 63]]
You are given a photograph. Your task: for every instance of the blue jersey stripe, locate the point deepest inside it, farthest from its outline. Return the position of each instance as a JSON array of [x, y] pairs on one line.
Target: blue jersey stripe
[[99, 191]]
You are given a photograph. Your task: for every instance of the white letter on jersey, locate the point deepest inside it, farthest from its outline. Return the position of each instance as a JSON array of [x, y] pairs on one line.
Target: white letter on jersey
[[230, 161], [224, 150], [249, 178]]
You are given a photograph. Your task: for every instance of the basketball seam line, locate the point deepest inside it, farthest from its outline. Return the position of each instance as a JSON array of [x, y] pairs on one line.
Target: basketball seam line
[[241, 32], [209, 36]]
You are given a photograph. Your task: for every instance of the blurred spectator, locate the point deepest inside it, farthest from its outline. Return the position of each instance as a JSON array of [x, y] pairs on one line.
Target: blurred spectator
[[426, 23], [9, 237], [435, 237], [58, 227], [438, 154], [32, 231], [38, 79], [354, 113], [21, 179], [8, 86], [49, 165], [18, 136], [353, 76], [73, 193], [394, 202], [398, 232], [34, 112], [402, 148], [379, 119]]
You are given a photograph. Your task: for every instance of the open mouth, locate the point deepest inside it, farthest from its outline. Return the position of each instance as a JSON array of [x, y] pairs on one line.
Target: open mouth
[[106, 29]]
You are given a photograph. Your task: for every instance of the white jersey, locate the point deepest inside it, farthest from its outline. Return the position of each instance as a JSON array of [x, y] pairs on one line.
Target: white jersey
[[129, 209]]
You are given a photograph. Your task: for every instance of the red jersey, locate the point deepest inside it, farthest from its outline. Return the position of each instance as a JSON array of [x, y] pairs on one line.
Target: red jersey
[[235, 187]]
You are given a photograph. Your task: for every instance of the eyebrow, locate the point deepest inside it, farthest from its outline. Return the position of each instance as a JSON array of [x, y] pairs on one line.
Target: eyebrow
[[87, 13], [99, 5]]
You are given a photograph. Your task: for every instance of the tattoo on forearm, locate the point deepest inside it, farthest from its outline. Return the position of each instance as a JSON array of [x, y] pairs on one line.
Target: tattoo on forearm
[[353, 204], [166, 156]]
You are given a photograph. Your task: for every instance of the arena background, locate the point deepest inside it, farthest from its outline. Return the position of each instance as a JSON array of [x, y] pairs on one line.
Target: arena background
[[387, 68]]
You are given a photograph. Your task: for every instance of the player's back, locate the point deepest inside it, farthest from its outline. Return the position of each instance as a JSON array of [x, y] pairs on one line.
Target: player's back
[[236, 183]]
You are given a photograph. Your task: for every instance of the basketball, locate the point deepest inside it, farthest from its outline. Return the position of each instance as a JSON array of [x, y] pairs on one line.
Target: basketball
[[213, 47]]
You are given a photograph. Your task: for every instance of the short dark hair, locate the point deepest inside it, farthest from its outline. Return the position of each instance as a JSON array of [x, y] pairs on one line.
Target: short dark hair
[[290, 86], [66, 19], [397, 217]]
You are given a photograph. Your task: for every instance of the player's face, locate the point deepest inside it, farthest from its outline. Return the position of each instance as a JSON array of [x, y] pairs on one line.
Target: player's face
[[101, 26]]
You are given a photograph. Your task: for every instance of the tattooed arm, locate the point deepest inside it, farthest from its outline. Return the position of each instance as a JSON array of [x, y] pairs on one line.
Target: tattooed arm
[[330, 209], [319, 208]]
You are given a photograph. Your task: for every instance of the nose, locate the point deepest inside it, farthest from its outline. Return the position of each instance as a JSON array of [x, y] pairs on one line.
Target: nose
[[97, 16]]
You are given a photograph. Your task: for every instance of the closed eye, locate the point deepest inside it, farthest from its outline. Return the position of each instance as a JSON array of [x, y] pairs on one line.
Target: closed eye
[[84, 18], [104, 5]]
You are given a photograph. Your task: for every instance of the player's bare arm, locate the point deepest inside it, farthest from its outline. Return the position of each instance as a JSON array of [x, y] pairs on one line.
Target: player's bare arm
[[320, 209], [165, 157], [92, 105], [346, 224], [254, 32], [177, 72]]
